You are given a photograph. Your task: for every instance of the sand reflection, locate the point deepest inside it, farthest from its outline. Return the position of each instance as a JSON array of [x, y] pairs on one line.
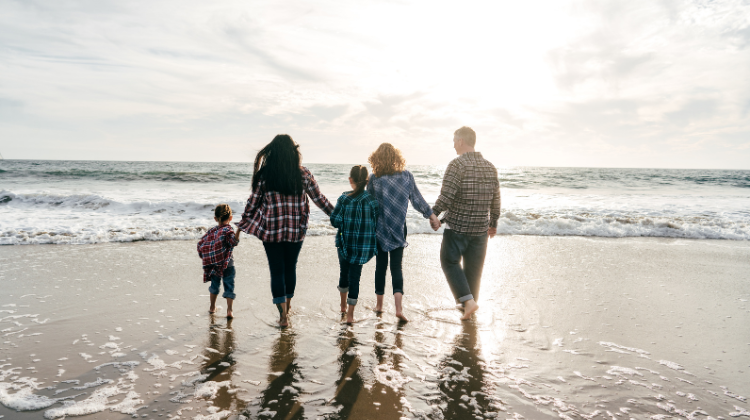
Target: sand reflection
[[464, 378], [280, 398], [220, 363]]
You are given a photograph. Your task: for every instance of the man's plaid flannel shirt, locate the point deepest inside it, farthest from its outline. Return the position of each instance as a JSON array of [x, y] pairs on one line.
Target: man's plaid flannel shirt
[[470, 195], [356, 219], [275, 217], [215, 249]]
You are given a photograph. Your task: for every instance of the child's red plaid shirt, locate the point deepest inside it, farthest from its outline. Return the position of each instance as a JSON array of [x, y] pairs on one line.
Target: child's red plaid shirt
[[215, 249]]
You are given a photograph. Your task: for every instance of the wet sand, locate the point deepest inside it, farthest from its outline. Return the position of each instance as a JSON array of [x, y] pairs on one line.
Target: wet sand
[[568, 328]]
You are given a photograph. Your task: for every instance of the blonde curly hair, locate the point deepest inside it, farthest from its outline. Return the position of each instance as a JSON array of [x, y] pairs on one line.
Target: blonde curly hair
[[386, 160]]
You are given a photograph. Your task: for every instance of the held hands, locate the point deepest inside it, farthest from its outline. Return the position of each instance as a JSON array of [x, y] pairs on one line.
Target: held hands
[[492, 232], [434, 222]]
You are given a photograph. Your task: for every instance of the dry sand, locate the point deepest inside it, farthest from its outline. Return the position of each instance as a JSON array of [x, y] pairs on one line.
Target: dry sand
[[568, 328]]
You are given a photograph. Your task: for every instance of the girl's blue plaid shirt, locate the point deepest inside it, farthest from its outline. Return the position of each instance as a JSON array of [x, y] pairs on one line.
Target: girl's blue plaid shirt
[[356, 218]]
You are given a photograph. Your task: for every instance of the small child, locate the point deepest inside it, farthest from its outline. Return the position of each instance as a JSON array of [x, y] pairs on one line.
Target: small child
[[355, 216], [215, 249]]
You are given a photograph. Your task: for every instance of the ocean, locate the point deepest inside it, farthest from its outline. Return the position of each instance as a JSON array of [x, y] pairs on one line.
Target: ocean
[[84, 202]]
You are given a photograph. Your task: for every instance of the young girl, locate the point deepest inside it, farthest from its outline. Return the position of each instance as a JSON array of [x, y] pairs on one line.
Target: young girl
[[215, 249], [356, 217]]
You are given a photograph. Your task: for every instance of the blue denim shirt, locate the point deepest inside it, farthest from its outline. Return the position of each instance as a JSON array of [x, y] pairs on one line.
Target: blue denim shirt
[[393, 193]]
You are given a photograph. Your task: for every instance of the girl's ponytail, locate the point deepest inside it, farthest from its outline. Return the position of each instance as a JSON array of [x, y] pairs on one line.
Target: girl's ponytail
[[359, 176]]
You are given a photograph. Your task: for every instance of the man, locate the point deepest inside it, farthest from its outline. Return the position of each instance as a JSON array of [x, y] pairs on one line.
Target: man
[[470, 198]]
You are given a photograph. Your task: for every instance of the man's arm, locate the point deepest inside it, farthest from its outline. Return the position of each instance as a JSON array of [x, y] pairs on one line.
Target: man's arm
[[495, 209], [451, 185]]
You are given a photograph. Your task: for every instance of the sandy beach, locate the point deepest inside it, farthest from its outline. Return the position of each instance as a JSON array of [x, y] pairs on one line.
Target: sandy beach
[[568, 328]]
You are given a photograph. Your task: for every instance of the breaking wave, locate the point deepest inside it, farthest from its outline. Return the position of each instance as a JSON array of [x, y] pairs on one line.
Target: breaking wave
[[82, 219]]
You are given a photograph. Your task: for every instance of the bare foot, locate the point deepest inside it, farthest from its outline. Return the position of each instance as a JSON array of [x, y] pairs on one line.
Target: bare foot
[[230, 315], [470, 306], [378, 303], [350, 314], [212, 310], [283, 318], [343, 301], [399, 311]]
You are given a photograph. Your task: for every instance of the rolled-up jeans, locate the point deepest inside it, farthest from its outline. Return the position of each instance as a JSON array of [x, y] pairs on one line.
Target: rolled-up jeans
[[282, 262], [228, 280], [349, 276], [463, 279]]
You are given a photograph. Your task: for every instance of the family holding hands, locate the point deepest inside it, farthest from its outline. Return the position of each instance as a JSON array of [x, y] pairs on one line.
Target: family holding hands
[[371, 222]]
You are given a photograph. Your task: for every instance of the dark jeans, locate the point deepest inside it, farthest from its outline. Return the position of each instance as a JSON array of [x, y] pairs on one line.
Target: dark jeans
[[282, 261], [349, 279], [381, 267], [463, 281]]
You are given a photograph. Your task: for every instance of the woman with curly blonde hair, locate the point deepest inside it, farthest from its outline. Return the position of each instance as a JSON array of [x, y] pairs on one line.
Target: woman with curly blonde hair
[[394, 187]]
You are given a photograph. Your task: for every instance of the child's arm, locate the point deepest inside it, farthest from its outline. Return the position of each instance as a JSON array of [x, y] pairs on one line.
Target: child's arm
[[375, 211], [237, 236], [337, 218]]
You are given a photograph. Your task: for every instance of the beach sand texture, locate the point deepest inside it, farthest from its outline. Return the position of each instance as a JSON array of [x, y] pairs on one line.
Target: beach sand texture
[[572, 328]]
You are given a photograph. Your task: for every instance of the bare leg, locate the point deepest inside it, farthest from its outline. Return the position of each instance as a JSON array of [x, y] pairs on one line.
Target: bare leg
[[379, 304], [350, 314], [288, 305], [212, 308], [283, 321], [343, 301], [229, 308], [399, 310], [470, 306]]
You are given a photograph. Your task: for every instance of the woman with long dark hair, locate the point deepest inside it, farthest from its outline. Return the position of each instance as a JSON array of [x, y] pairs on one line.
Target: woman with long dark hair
[[394, 187], [277, 213]]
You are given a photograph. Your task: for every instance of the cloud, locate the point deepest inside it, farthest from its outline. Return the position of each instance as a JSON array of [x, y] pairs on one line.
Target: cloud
[[544, 83], [693, 111]]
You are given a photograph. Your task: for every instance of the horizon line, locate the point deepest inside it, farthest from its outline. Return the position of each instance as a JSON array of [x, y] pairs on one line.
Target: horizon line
[[329, 163]]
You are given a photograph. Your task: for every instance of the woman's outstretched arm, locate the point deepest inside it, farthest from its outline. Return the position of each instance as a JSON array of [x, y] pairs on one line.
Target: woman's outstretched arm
[[253, 203], [312, 191], [417, 200]]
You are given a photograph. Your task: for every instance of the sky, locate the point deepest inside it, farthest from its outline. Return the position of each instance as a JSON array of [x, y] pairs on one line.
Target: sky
[[607, 83]]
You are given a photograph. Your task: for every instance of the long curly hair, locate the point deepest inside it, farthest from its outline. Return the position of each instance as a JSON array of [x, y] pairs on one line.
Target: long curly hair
[[387, 160], [278, 164]]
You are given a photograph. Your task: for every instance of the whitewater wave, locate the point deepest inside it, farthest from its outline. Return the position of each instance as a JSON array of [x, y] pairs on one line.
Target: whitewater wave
[[49, 218], [98, 203]]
